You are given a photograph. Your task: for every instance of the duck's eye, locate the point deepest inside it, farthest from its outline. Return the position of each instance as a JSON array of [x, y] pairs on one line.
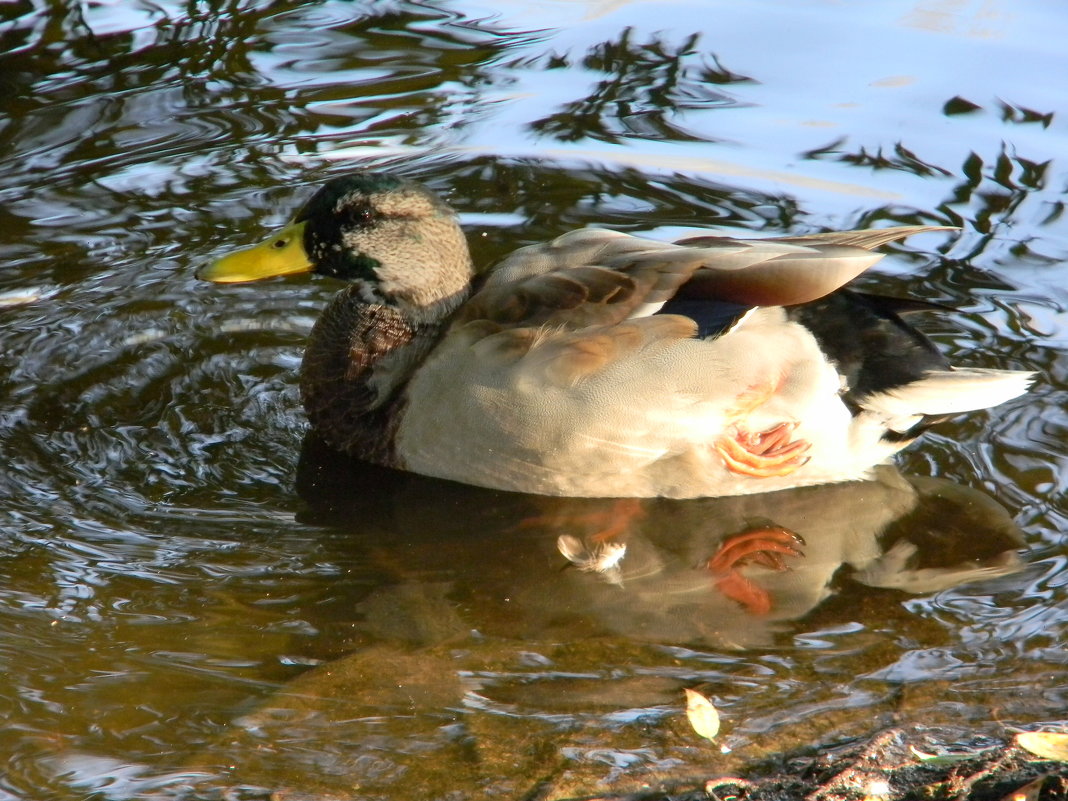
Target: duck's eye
[[356, 215], [278, 244]]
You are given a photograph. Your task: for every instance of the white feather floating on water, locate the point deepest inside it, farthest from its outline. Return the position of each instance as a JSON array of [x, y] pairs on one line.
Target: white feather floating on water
[[603, 559]]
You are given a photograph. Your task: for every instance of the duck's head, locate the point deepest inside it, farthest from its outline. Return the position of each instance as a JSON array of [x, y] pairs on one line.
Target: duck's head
[[395, 240]]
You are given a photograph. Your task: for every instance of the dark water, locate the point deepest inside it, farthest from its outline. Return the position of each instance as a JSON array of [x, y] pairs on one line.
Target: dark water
[[173, 612]]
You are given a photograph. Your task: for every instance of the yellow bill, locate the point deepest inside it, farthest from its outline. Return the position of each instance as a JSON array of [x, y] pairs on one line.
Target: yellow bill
[[281, 254]]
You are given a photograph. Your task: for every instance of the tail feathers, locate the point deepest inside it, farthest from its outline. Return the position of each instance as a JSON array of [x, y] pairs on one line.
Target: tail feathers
[[946, 392]]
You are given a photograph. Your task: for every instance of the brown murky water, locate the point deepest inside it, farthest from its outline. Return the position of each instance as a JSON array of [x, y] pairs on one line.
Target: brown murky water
[[194, 601]]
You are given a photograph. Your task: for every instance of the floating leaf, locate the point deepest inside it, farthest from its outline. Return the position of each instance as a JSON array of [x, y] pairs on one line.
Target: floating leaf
[[946, 757], [1031, 791], [1046, 744], [702, 715]]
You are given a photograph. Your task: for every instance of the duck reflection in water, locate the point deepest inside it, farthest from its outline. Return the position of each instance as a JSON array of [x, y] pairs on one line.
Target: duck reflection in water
[[723, 572]]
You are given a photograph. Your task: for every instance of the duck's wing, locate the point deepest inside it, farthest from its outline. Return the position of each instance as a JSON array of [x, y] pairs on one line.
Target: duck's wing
[[594, 277], [583, 278], [787, 271]]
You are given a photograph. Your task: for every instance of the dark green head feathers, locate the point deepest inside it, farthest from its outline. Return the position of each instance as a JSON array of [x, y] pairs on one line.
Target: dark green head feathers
[[334, 217], [395, 239]]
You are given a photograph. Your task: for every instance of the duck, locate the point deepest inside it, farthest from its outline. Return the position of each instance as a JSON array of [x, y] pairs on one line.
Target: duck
[[606, 364]]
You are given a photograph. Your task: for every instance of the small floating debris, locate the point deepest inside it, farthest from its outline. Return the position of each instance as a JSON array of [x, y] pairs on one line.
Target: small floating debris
[[24, 297], [702, 714], [946, 757], [1045, 744], [603, 559]]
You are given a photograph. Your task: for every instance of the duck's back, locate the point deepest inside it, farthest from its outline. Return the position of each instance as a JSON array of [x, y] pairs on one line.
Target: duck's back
[[663, 392]]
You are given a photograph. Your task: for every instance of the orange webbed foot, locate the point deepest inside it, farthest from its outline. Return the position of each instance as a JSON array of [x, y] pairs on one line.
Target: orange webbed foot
[[765, 454], [754, 599], [765, 546]]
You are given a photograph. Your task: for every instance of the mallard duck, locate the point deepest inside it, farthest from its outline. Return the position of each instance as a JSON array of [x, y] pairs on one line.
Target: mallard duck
[[602, 364]]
